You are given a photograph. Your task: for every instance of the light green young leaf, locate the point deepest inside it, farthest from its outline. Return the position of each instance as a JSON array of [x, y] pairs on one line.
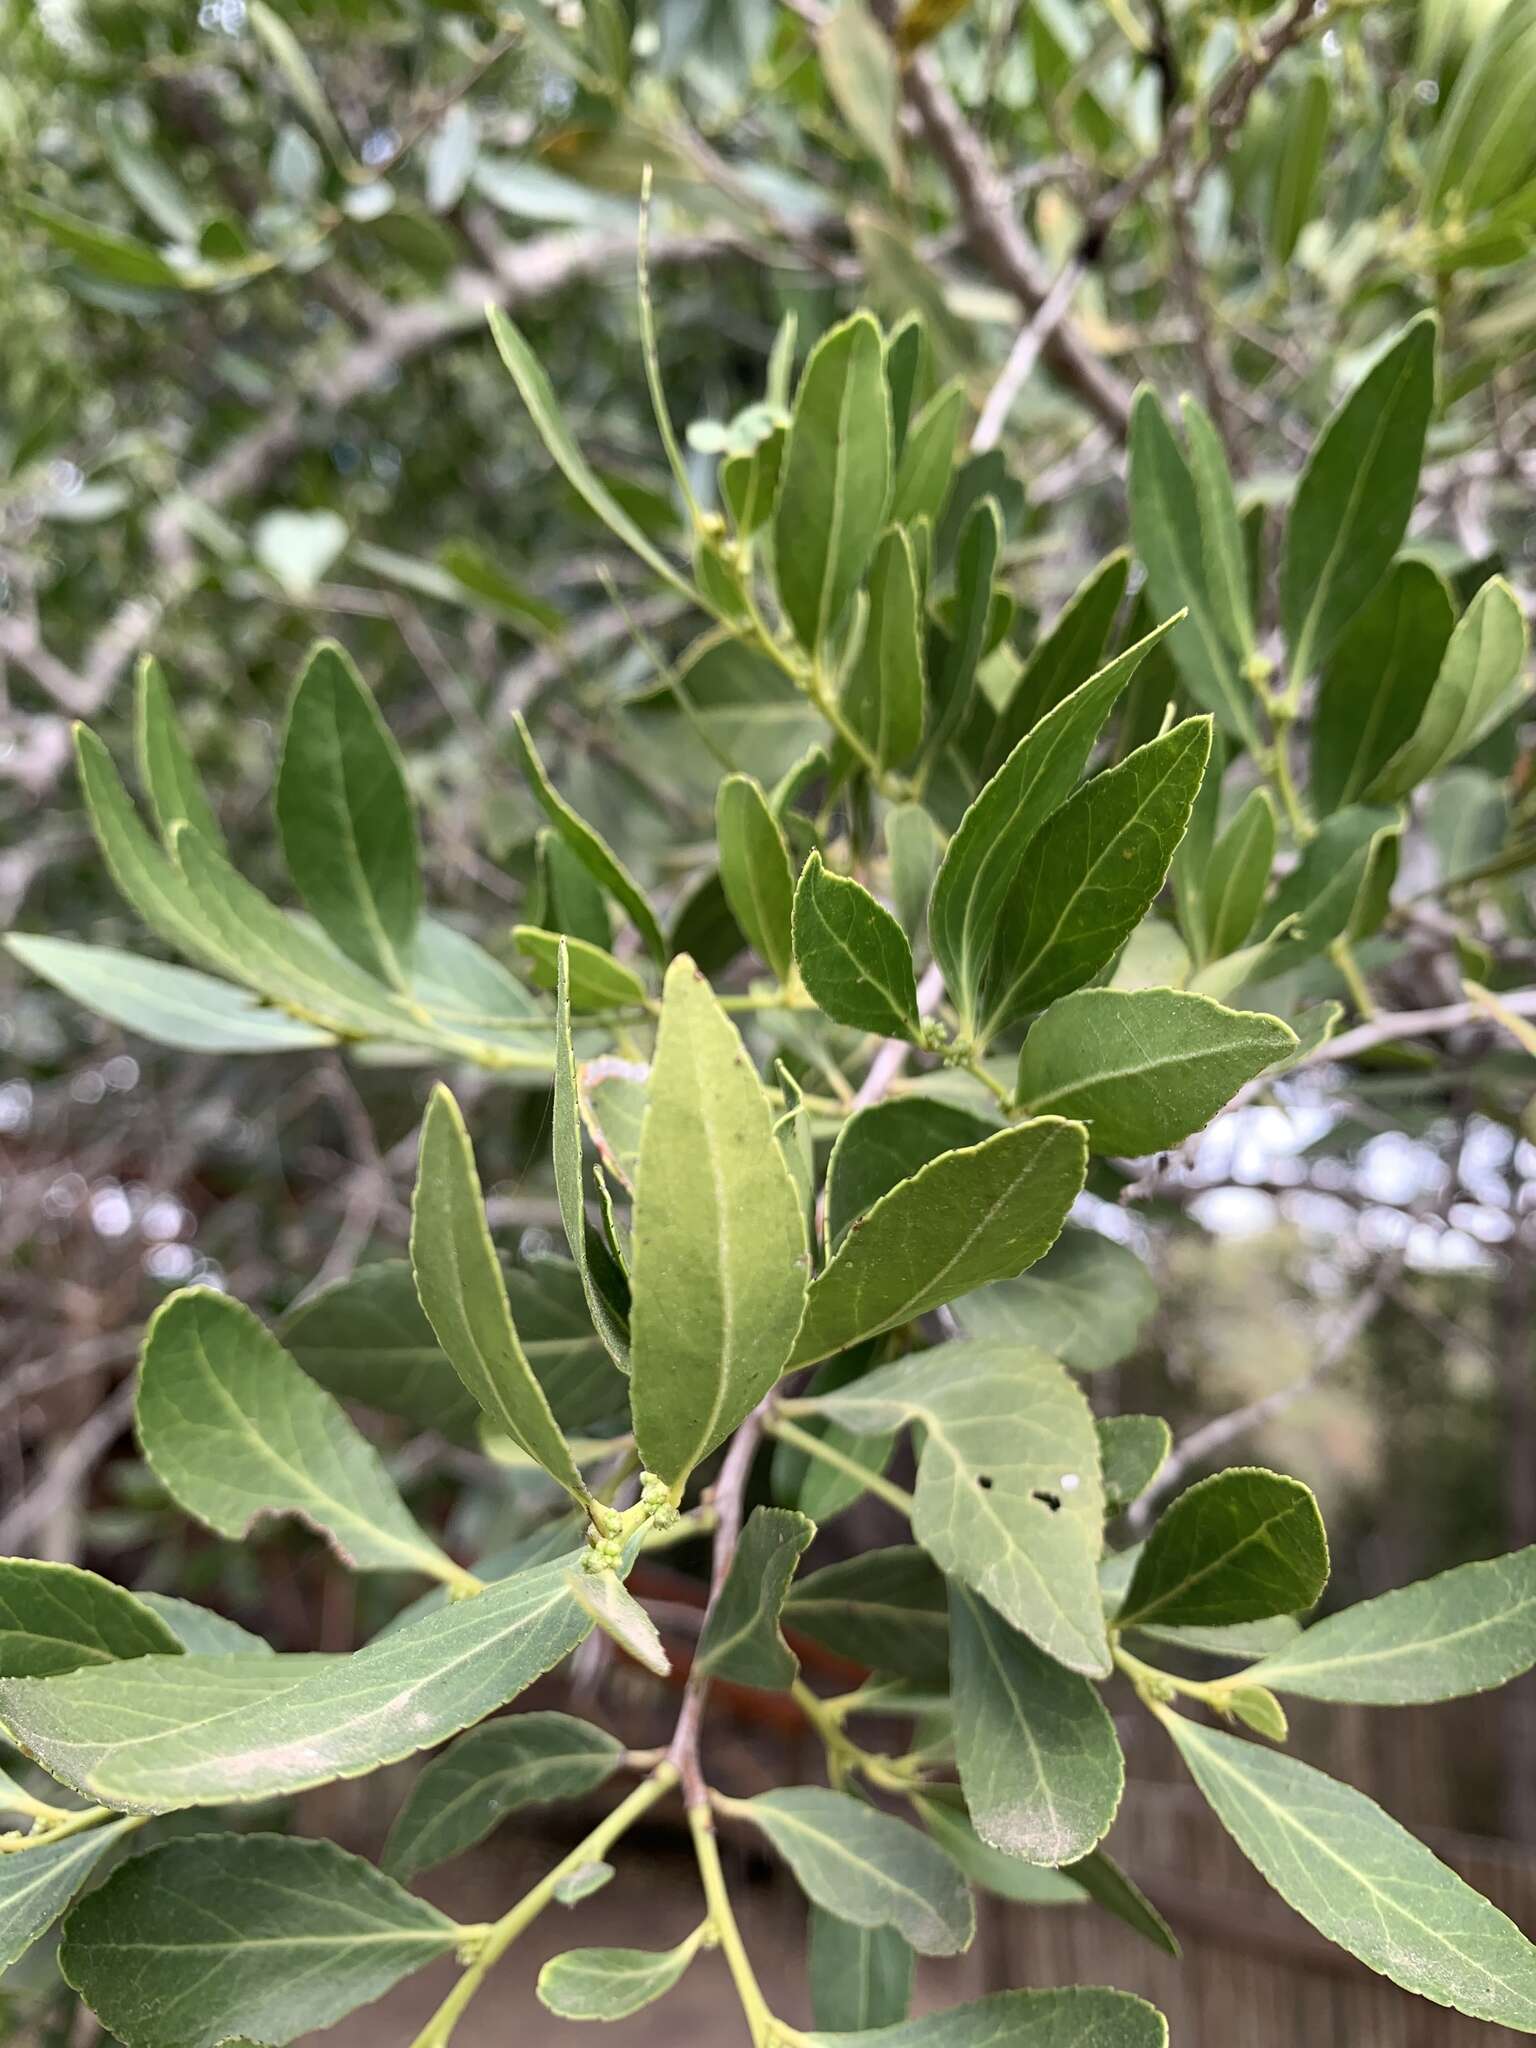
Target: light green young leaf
[[611, 1983], [1362, 1880], [837, 479], [719, 1265], [1461, 1632], [884, 695], [1132, 1450], [1239, 1546], [1085, 1303], [216, 1936], [1065, 656], [1143, 1068], [885, 1608], [1024, 2019], [926, 466], [860, 67], [1237, 875], [879, 1147], [37, 1884], [1355, 494], [345, 817], [604, 1596], [1376, 684], [1222, 551], [1482, 679], [55, 1617], [967, 1218], [166, 769], [234, 1432], [598, 980], [865, 1866], [742, 1640], [462, 1294], [583, 1882], [1039, 1764], [593, 1262], [755, 873], [860, 1977], [852, 954]]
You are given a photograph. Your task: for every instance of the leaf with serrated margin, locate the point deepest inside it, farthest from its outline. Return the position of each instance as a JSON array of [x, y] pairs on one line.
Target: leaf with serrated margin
[[593, 1260], [1065, 656], [885, 692], [1085, 1303], [36, 1884], [885, 1144], [1482, 679], [263, 1935], [1239, 1546], [967, 1218], [719, 1261], [853, 956], [55, 1617], [234, 1432], [1362, 1880], [860, 1977], [1009, 1498], [755, 873], [611, 1983], [1461, 1632], [166, 769], [886, 1608], [1375, 685], [1080, 2018], [742, 1640]]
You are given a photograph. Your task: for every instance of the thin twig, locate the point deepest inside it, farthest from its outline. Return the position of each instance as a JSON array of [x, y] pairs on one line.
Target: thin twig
[[1023, 356]]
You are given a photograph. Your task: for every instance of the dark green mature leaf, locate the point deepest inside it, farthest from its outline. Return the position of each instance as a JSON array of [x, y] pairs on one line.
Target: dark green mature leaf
[[1238, 1546], [470, 1788], [166, 770], [1236, 875], [887, 1609], [598, 980], [36, 1884], [885, 1144], [941, 1808], [1222, 549], [1091, 873], [1008, 1495], [742, 1640], [569, 898], [106, 251], [1065, 656], [885, 692], [720, 1258], [1362, 1880], [966, 1218], [1356, 492], [755, 873], [600, 1278], [205, 1939], [235, 1432], [1303, 139], [203, 1632], [1085, 1303], [865, 1866], [852, 954], [927, 463], [1039, 1763], [345, 817], [1461, 1632], [836, 479], [462, 1294], [611, 1983], [1080, 2018], [55, 1617], [1323, 889], [366, 1339], [1481, 681], [1375, 685], [986, 854], [1144, 1068], [1108, 1886], [970, 619], [1483, 146], [1132, 1449], [159, 1733], [860, 1977]]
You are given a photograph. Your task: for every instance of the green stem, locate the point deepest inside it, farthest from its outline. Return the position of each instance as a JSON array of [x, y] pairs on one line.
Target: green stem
[[762, 2028], [978, 1072], [844, 1755], [1342, 954], [1278, 764], [58, 1823], [1156, 1688], [778, 1424]]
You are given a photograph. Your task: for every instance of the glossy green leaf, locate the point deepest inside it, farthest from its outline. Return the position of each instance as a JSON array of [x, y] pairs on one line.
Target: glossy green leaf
[[1238, 1546], [598, 980], [1362, 1880], [1354, 497], [235, 1433], [836, 479], [345, 817], [1065, 656], [166, 769], [55, 1617], [966, 1218], [1222, 550], [1375, 686], [1079, 2018], [593, 1262], [1143, 1069], [37, 1883], [459, 1284], [755, 873], [885, 1608], [852, 954], [860, 1977], [611, 1983], [1237, 875], [1039, 1763], [1308, 106], [1086, 1303], [720, 1260], [742, 1640], [1482, 680], [1132, 1450], [1463, 1631], [865, 1866], [205, 1939], [926, 465], [885, 691], [879, 1147]]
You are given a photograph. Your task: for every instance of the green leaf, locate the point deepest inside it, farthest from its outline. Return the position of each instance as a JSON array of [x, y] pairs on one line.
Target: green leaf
[[1039, 1763], [836, 480], [1144, 1068], [569, 899], [589, 847], [480, 576], [603, 1595], [1376, 684], [234, 1433], [867, 1867], [1237, 875], [598, 980], [1108, 1886], [1079, 2018], [1238, 1546], [1085, 1303], [1355, 495], [1483, 146], [262, 1935], [106, 251], [459, 1284], [852, 954], [1008, 1495], [345, 817], [1482, 680], [755, 873], [55, 1617], [926, 466], [365, 1339], [941, 1808], [203, 1632], [1308, 106], [1132, 1450], [885, 1144], [166, 768], [611, 1983], [985, 857], [885, 1608], [466, 1792], [914, 845], [883, 697], [970, 621], [1362, 1880], [967, 1218], [174, 1006], [742, 1640], [719, 1263], [593, 1262], [1461, 1632], [1065, 656], [159, 1733], [1091, 873], [860, 1977], [37, 1883], [860, 67], [583, 1882], [1223, 553], [819, 1490], [1321, 892]]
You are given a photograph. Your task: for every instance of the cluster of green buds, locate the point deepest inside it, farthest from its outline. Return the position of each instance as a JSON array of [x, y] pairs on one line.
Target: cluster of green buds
[[605, 1539], [656, 1499], [609, 1531]]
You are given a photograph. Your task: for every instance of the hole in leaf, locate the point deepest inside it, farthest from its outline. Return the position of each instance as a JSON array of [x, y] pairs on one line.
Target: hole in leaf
[[1046, 1500], [984, 1481]]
